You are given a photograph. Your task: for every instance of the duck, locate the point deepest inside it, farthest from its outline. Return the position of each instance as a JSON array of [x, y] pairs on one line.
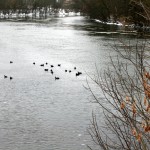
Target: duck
[[45, 69], [33, 63], [57, 78], [65, 70], [5, 77], [11, 78], [52, 66], [42, 65], [59, 65], [75, 68], [11, 62], [78, 73], [52, 71]]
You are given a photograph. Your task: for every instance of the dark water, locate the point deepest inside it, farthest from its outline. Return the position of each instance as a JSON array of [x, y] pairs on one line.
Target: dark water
[[38, 112]]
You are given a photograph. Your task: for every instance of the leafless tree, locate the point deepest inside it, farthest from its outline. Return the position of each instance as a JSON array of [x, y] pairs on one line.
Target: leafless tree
[[125, 87]]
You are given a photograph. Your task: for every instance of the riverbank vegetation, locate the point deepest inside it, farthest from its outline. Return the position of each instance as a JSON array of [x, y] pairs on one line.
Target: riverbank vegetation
[[27, 4], [125, 11], [130, 10], [125, 103], [17, 8], [133, 14]]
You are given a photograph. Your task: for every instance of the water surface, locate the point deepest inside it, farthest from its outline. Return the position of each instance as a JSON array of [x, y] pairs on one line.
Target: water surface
[[38, 112]]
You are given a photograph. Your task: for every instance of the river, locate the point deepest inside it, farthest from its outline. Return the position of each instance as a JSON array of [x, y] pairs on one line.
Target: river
[[38, 112]]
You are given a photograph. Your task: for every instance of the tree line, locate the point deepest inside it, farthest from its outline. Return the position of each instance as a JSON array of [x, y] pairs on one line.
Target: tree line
[[29, 4], [131, 10], [116, 9]]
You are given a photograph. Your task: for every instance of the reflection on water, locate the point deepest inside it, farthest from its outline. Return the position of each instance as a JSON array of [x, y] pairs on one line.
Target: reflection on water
[[38, 112]]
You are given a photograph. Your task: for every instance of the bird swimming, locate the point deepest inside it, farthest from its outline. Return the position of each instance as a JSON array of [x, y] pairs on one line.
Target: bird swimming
[[78, 73], [57, 78], [5, 76], [45, 69], [52, 71], [42, 65]]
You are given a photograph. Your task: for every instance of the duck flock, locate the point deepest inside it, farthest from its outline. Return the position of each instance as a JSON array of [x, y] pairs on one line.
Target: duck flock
[[5, 76], [50, 68]]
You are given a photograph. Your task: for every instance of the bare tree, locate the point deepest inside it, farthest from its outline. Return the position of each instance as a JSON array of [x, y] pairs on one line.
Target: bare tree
[[125, 87]]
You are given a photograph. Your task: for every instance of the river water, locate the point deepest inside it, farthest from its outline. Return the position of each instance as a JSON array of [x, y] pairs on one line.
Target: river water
[[38, 112]]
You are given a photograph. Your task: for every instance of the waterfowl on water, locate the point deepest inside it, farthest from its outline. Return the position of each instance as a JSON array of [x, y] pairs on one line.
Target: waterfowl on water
[[52, 66], [5, 77], [78, 73], [11, 62], [45, 69], [11, 78], [33, 63], [57, 78], [52, 71], [59, 65], [42, 65]]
